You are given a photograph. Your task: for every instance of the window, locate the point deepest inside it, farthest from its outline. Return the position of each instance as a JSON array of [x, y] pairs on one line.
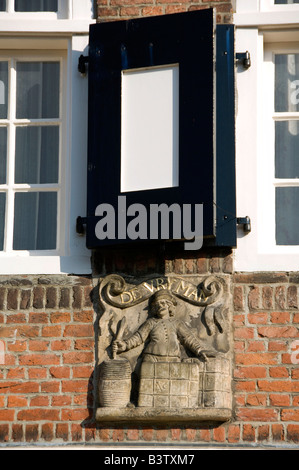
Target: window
[[267, 136], [283, 2], [286, 123], [36, 5], [30, 134]]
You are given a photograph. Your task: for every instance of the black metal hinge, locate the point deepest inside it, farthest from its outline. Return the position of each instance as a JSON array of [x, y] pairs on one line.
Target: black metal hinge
[[83, 60], [246, 222], [244, 59], [80, 222]]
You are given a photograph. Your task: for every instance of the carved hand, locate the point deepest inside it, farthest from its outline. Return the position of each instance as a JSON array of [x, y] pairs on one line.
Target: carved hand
[[205, 354], [118, 346]]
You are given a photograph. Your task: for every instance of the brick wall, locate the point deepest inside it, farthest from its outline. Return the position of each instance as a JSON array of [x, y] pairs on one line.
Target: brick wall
[[111, 10], [266, 365]]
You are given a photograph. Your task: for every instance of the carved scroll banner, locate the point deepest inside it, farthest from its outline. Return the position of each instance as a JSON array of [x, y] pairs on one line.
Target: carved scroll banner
[[164, 349]]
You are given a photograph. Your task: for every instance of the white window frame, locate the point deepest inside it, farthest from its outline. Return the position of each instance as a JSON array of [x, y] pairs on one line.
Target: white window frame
[[68, 39], [67, 9], [11, 188], [260, 33]]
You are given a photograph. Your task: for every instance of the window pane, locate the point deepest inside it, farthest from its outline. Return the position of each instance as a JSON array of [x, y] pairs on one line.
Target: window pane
[[283, 2], [37, 150], [36, 5], [2, 5], [2, 218], [287, 216], [3, 89], [286, 82], [35, 221], [3, 154], [286, 149], [38, 90]]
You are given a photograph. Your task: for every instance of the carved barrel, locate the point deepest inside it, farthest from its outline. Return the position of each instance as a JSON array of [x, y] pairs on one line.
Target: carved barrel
[[115, 383]]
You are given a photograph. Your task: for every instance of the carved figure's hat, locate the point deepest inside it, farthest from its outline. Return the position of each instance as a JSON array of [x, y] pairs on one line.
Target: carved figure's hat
[[164, 294]]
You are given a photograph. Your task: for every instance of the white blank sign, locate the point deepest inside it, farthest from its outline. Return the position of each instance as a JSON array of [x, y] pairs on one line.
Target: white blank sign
[[150, 128]]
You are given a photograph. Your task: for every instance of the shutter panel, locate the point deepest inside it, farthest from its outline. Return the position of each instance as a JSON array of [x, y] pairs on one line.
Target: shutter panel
[[186, 42]]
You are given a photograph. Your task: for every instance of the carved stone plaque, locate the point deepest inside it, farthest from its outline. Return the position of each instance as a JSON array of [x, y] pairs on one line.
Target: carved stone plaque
[[164, 350]]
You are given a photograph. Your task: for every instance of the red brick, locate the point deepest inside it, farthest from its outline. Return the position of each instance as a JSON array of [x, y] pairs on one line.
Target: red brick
[[255, 318], [39, 359], [39, 317], [279, 400], [74, 386], [51, 331], [37, 373], [31, 432], [16, 318], [278, 386], [47, 432], [292, 297], [280, 297], [256, 399], [133, 434], [60, 317], [190, 434], [61, 400], [38, 345], [147, 434], [280, 317], [238, 298], [254, 298], [151, 11], [84, 344], [62, 431], [233, 433], [78, 331], [176, 434], [267, 297], [17, 373], [7, 415], [293, 432], [39, 401], [12, 299], [278, 331], [19, 387], [219, 434], [38, 414], [205, 435], [16, 401], [118, 435], [277, 432], [250, 372], [60, 372], [278, 372], [61, 345], [255, 346], [76, 432], [290, 415], [50, 387], [77, 357], [244, 333], [38, 297], [74, 415], [82, 371], [256, 414], [17, 432], [256, 358], [263, 432], [248, 433], [85, 316]]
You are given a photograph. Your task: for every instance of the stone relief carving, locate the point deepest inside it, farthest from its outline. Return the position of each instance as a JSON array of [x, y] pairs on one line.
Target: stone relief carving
[[164, 349]]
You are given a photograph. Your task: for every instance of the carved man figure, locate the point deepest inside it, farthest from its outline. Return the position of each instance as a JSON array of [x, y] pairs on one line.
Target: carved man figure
[[164, 332]]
